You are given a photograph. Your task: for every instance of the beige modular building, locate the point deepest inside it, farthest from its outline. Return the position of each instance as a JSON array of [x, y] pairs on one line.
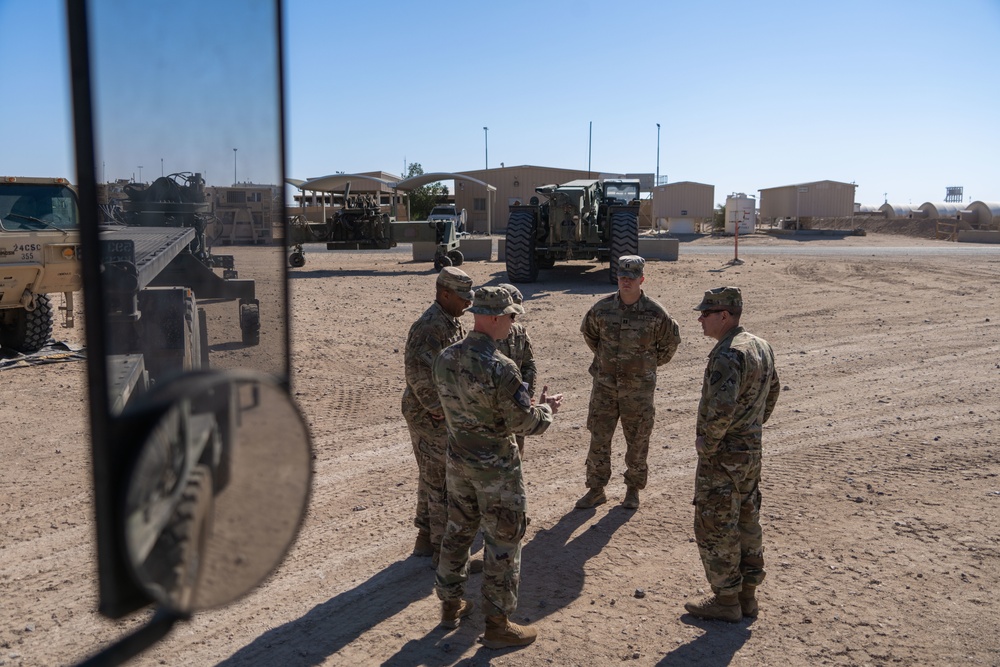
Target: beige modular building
[[788, 204], [683, 207], [515, 185], [245, 214]]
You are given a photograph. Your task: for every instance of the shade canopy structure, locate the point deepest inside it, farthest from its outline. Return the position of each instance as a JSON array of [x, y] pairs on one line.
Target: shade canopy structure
[[337, 182]]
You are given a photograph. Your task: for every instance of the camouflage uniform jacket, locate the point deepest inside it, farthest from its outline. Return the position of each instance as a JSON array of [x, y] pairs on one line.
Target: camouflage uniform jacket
[[517, 346], [484, 402], [740, 390], [432, 332], [629, 342]]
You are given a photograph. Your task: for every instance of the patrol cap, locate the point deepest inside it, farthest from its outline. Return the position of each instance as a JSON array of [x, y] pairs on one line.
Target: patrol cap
[[457, 280], [722, 298], [630, 266], [514, 292], [494, 301]]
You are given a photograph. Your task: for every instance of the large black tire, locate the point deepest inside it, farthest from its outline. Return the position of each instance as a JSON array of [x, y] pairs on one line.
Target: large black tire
[[203, 337], [456, 257], [175, 563], [441, 261], [26, 331], [250, 323], [522, 265], [624, 238]]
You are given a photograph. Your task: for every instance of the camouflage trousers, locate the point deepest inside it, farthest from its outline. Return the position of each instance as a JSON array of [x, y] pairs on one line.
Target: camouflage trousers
[[634, 407], [727, 520], [492, 499], [430, 441]]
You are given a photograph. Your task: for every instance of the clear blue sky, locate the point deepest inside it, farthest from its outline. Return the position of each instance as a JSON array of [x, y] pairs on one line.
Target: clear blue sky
[[899, 96]]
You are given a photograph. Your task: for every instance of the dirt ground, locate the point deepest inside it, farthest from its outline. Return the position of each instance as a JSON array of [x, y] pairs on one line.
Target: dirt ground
[[881, 495]]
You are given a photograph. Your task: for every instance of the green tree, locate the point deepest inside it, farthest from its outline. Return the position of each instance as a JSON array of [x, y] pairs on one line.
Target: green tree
[[719, 219], [424, 198]]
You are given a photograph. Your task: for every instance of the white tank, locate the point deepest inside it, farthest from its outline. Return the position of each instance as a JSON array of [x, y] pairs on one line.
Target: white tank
[[741, 209]]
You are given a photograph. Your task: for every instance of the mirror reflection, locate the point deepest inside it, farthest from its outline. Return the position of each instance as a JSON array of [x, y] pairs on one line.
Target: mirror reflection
[[188, 147], [218, 489]]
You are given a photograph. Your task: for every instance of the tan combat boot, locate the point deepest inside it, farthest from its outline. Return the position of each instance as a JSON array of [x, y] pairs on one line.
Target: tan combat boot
[[631, 501], [748, 601], [423, 547], [453, 611], [593, 498], [501, 633], [721, 607]]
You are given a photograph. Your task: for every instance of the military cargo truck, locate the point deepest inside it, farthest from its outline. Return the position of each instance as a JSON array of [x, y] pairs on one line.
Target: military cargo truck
[[39, 256], [581, 219]]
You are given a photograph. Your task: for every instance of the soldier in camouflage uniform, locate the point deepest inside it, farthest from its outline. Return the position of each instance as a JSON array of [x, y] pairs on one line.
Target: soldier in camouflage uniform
[[517, 346], [485, 404], [737, 397], [435, 330], [630, 335]]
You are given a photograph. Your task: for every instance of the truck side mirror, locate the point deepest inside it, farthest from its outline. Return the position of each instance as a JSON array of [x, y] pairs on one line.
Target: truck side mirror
[[201, 460]]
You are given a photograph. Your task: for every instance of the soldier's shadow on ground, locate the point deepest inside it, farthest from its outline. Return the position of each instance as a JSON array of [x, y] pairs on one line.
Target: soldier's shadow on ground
[[552, 576], [332, 625], [553, 563], [715, 647]]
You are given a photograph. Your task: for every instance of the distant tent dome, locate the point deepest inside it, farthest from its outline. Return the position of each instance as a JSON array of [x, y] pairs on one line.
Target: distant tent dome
[[866, 208], [893, 211], [941, 209], [983, 214]]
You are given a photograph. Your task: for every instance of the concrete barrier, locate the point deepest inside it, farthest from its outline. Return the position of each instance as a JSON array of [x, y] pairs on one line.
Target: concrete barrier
[[978, 236], [423, 251], [660, 248], [502, 250], [476, 249]]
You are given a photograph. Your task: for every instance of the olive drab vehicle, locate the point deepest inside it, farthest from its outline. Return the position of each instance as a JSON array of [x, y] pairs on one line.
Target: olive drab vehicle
[[582, 219], [39, 256], [201, 459]]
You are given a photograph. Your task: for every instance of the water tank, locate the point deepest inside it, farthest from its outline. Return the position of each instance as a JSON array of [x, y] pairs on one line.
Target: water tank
[[740, 209]]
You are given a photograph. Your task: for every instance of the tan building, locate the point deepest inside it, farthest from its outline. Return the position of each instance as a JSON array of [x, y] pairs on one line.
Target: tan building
[[683, 207], [818, 199], [515, 185], [246, 214]]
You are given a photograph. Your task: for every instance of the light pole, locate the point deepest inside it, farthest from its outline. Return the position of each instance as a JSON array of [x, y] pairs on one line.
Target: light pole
[[234, 167], [161, 167], [140, 173], [486, 138], [657, 154]]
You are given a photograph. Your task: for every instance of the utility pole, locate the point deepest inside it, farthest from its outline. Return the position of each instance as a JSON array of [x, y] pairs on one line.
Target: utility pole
[[657, 154], [486, 135], [234, 166], [590, 145]]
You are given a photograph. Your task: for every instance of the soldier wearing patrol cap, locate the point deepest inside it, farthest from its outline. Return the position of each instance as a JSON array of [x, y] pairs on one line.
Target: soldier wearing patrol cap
[[630, 335], [485, 404], [436, 329], [739, 392]]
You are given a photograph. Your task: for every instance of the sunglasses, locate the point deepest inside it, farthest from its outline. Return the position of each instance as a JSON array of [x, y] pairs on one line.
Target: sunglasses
[[706, 313]]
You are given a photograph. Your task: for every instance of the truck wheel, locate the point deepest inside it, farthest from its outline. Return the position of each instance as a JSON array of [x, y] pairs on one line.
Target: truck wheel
[[176, 559], [456, 257], [522, 265], [624, 238], [250, 323], [27, 331], [203, 337], [441, 261], [296, 260]]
